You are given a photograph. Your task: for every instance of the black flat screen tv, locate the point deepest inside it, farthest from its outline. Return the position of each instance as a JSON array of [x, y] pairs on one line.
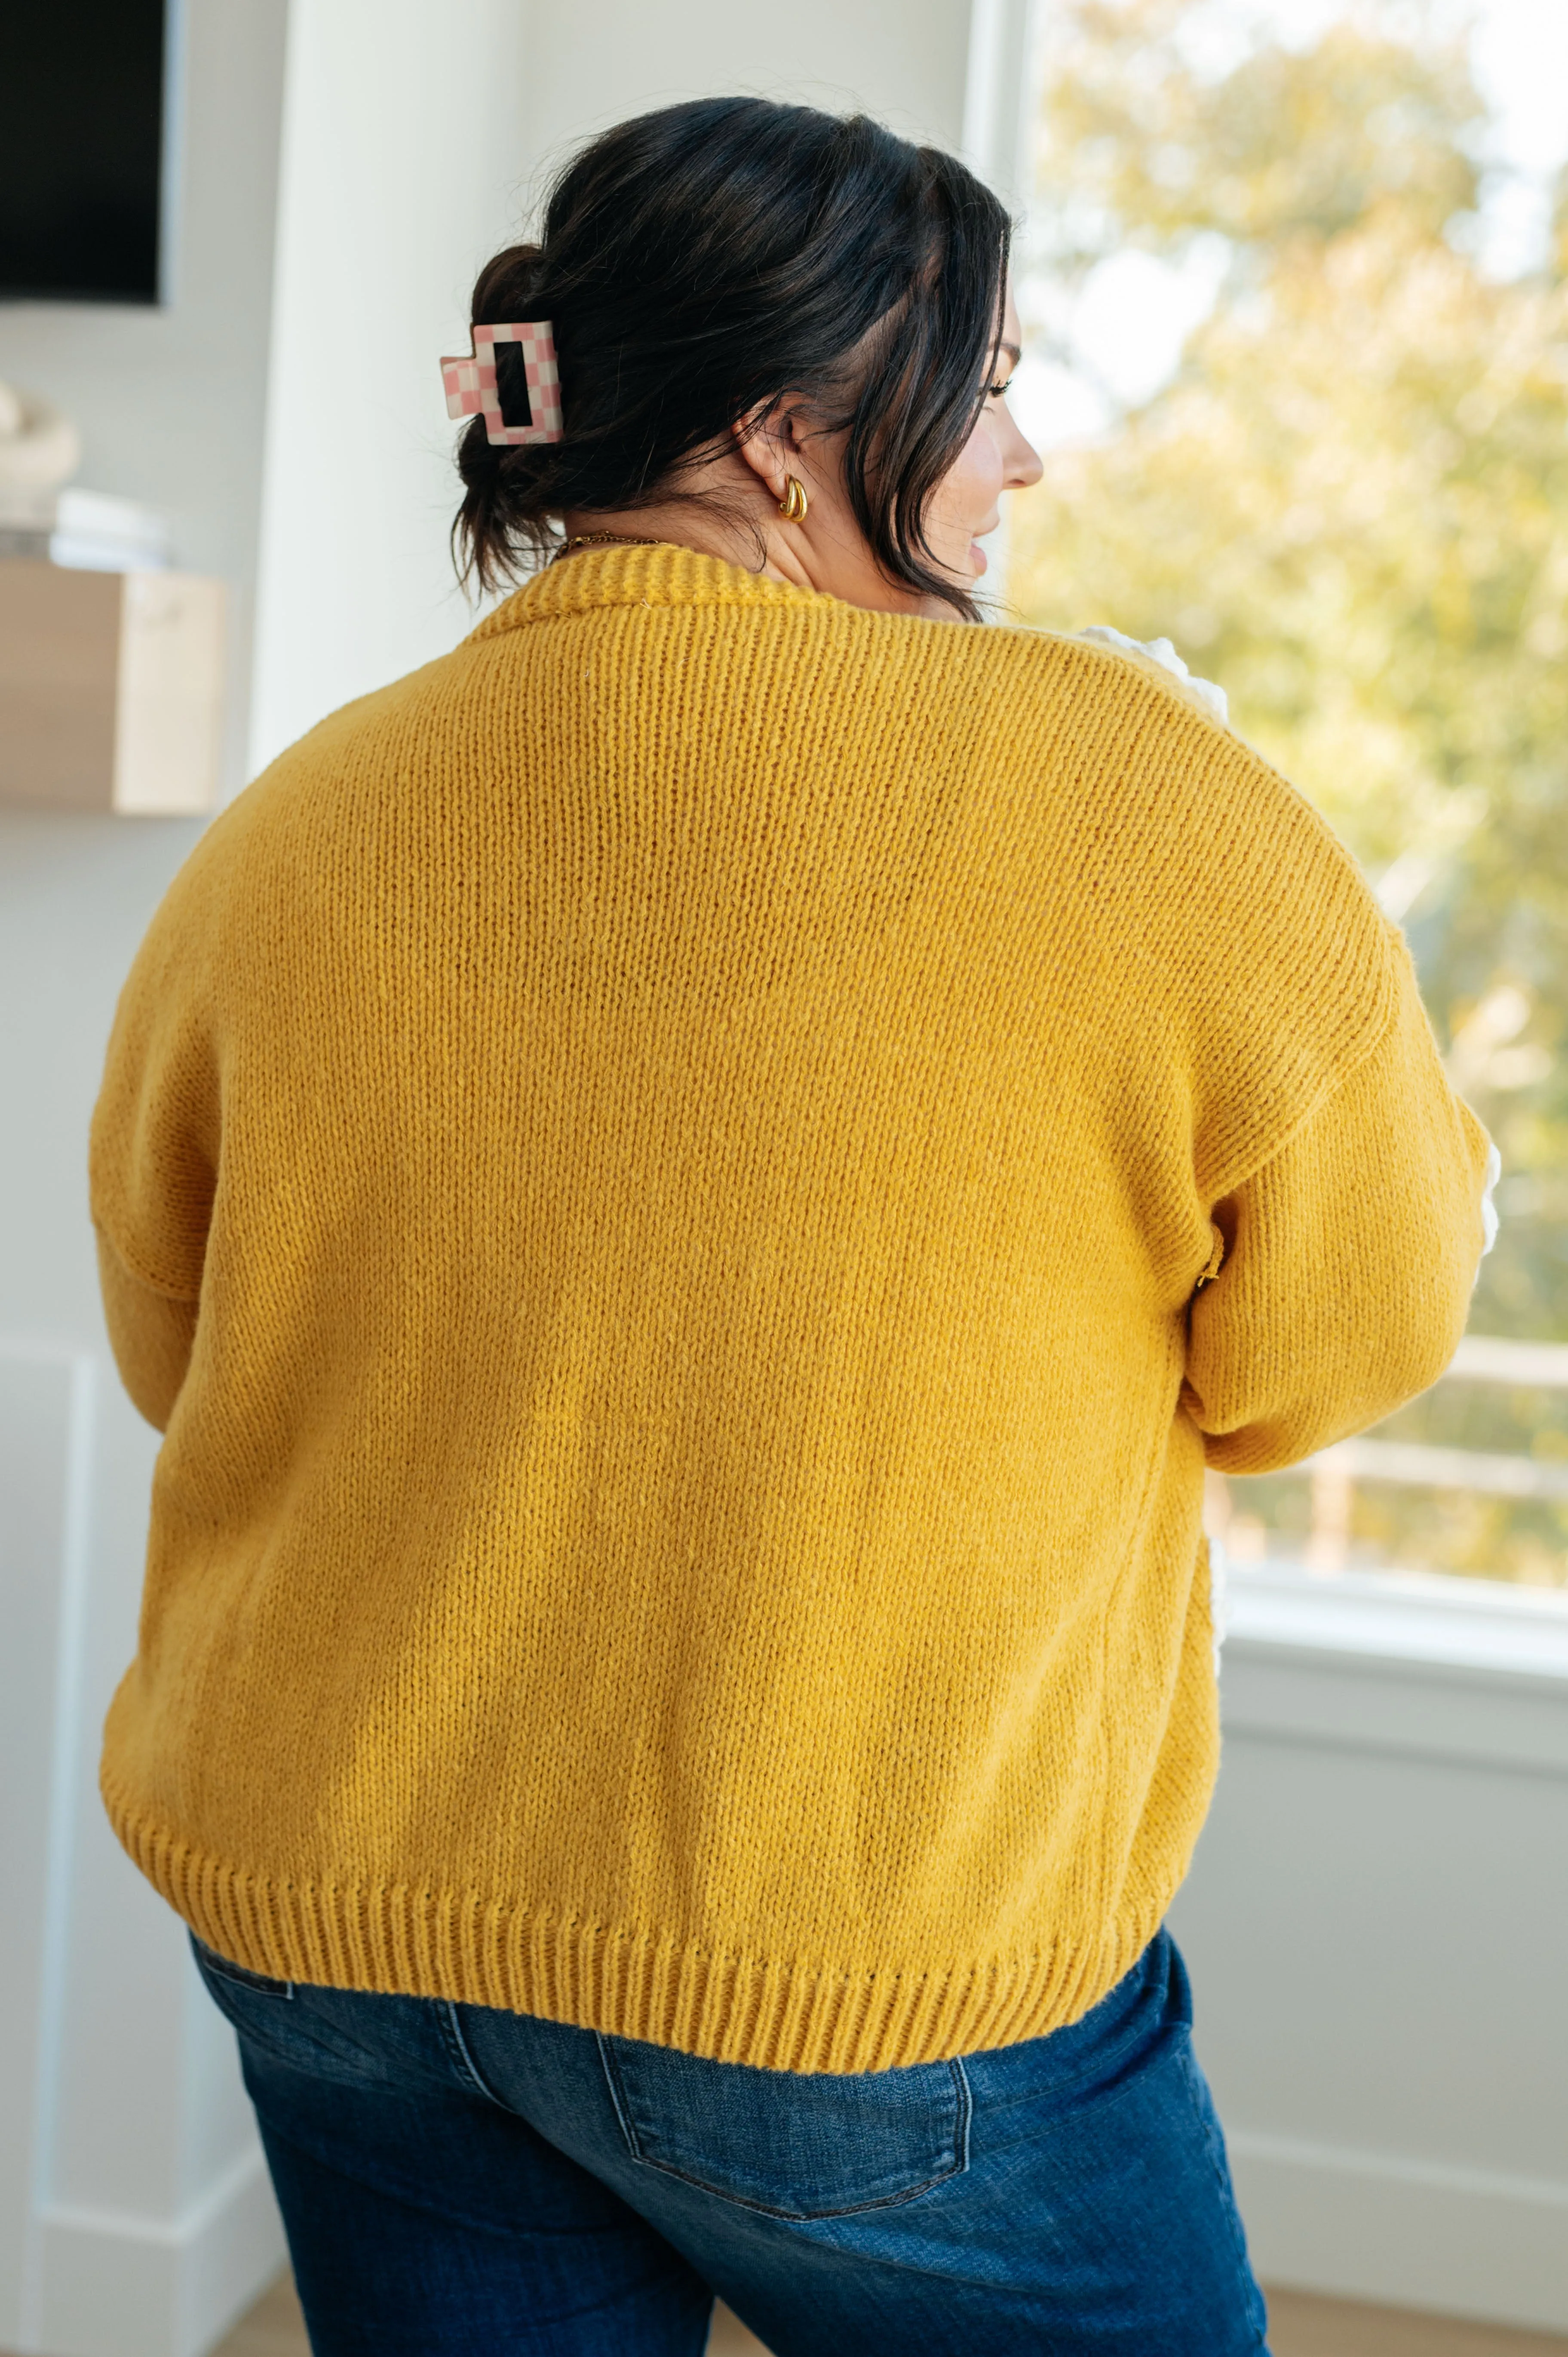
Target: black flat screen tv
[[81, 139]]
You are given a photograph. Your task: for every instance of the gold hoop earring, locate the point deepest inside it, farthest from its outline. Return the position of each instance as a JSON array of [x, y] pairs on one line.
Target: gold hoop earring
[[792, 506]]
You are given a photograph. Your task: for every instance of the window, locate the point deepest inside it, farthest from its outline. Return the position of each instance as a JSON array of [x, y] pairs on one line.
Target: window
[[1296, 287]]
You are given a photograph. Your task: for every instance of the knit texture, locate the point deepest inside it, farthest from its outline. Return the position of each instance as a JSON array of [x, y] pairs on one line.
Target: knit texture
[[692, 1185]]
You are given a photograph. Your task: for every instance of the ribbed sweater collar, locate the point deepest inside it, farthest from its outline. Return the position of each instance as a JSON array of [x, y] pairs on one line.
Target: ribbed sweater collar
[[659, 575]]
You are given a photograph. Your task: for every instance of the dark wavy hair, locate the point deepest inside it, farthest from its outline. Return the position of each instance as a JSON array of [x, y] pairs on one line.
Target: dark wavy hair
[[709, 259]]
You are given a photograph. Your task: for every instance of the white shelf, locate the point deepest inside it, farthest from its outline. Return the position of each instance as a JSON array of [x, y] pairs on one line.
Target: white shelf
[[111, 689]]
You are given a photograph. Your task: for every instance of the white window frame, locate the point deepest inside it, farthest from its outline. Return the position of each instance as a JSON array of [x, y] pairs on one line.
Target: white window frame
[[1418, 1617]]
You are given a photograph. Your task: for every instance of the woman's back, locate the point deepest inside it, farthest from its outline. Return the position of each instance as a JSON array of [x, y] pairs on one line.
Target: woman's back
[[694, 1122]]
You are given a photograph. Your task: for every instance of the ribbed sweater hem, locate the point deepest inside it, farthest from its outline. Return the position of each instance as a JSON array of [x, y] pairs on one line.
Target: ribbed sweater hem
[[396, 1940]]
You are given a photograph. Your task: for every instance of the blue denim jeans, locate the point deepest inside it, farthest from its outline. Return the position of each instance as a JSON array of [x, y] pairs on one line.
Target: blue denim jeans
[[454, 2180]]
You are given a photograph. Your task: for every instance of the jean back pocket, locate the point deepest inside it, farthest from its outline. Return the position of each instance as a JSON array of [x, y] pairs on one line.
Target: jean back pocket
[[794, 2144], [212, 1967], [334, 2034]]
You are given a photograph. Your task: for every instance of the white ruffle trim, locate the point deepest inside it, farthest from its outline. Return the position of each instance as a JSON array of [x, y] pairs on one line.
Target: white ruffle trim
[[1489, 1209], [1161, 651]]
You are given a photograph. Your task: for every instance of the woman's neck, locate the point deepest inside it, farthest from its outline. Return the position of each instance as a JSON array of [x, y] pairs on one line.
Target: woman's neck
[[725, 526]]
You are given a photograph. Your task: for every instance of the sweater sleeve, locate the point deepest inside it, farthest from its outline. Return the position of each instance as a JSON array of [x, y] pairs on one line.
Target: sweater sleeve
[[1349, 1259], [153, 1158], [150, 1333]]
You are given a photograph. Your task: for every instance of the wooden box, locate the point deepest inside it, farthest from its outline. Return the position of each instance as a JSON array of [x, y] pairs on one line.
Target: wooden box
[[111, 689]]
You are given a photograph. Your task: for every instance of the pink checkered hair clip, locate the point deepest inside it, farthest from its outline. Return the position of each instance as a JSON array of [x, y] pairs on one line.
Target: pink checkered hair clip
[[472, 390]]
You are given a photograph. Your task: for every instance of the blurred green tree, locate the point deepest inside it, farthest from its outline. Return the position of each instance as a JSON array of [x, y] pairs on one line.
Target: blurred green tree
[[1349, 506]]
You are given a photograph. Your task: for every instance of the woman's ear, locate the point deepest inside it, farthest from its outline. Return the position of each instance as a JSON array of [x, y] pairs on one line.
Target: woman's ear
[[770, 442]]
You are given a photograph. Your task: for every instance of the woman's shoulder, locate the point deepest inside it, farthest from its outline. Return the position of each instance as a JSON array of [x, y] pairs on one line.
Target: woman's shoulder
[[1107, 667], [1214, 864], [1151, 737]]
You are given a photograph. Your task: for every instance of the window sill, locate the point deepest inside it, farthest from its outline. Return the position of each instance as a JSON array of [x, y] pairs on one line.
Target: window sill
[[1415, 1616], [1408, 1664]]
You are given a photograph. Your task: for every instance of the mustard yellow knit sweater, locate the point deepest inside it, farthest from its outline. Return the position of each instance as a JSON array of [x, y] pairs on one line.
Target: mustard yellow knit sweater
[[692, 1186]]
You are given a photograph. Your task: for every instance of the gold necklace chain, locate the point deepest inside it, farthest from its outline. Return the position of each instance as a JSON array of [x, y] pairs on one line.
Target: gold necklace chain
[[601, 539]]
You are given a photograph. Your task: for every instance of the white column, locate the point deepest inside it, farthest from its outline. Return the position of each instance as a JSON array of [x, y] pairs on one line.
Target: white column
[[403, 155], [999, 105]]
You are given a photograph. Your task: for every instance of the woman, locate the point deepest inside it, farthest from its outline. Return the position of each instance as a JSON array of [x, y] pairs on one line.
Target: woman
[[693, 1187]]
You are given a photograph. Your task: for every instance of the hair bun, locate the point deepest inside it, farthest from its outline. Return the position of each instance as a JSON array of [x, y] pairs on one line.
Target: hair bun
[[505, 286]]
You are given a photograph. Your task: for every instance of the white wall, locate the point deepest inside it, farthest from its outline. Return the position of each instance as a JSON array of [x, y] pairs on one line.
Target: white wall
[[122, 2107], [1376, 1921], [906, 60]]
